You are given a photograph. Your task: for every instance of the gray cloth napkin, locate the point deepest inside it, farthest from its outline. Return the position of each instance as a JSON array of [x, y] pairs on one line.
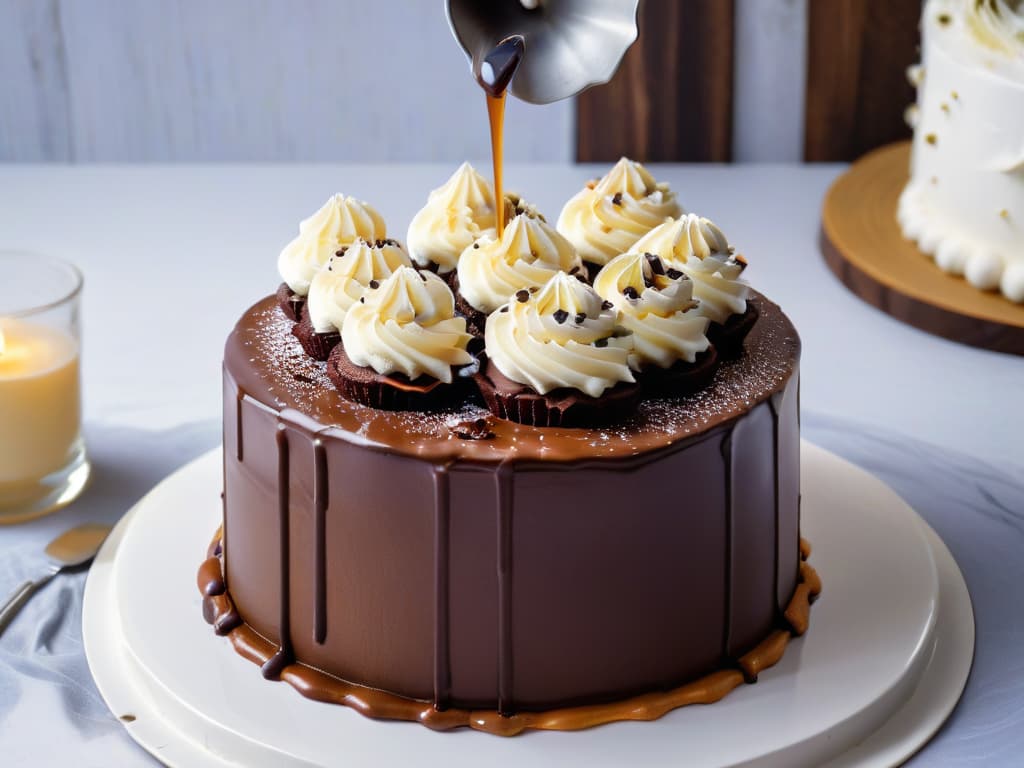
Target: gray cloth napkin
[[42, 660], [976, 508]]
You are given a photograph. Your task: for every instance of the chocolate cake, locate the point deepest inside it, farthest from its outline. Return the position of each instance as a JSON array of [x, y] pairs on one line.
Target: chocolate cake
[[457, 568]]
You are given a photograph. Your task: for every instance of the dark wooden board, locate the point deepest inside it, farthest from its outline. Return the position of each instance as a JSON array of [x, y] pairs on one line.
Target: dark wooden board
[[671, 99], [858, 52]]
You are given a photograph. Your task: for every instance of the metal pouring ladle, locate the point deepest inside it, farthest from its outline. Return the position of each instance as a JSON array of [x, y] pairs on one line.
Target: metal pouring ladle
[[570, 45]]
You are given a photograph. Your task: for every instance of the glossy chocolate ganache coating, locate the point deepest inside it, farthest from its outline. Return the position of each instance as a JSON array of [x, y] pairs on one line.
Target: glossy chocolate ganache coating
[[473, 571]]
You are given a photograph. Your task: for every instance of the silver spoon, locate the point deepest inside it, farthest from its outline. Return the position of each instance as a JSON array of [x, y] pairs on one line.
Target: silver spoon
[[76, 546]]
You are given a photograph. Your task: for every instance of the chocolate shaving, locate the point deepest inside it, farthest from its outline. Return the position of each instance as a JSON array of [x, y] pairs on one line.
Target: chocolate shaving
[[656, 265], [580, 318], [630, 292], [673, 274], [472, 429]]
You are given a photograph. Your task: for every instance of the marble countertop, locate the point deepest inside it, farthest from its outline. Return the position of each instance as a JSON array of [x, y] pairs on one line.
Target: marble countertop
[[173, 254]]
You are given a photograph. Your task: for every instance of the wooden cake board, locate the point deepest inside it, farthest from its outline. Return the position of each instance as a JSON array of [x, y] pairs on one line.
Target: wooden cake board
[[863, 245]]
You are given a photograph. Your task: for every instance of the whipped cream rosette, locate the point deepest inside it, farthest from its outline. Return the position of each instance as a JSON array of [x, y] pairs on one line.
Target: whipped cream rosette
[[695, 246], [529, 252], [340, 284], [400, 343], [655, 303], [456, 215], [609, 215], [347, 276], [557, 356], [338, 223]]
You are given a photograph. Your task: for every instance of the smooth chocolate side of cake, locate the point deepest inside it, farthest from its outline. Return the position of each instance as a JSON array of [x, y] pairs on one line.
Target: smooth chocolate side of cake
[[416, 567]]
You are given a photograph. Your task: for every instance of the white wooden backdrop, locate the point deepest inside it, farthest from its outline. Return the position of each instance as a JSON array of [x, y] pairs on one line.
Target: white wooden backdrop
[[312, 80]]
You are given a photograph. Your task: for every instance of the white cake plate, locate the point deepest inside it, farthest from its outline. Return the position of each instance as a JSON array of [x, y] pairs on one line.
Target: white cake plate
[[885, 660]]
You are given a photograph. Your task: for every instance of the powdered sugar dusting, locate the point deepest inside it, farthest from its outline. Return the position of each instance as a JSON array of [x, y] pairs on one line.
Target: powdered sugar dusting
[[293, 380]]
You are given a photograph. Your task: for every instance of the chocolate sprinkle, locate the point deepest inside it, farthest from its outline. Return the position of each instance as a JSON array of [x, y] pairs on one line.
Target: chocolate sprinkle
[[656, 266], [561, 316], [522, 295]]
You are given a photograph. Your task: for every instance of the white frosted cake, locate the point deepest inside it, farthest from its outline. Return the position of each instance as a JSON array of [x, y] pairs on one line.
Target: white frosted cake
[[964, 204]]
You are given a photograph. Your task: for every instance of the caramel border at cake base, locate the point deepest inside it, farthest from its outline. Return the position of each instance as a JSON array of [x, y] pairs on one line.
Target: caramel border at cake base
[[219, 611]]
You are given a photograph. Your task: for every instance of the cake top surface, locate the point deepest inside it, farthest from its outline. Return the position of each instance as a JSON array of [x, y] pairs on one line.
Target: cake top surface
[[270, 367]]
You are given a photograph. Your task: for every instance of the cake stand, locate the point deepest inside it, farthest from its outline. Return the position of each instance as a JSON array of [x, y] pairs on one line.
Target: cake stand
[[885, 660], [863, 245]]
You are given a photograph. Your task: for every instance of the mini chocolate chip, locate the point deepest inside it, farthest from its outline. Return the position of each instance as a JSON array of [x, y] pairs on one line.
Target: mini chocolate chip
[[606, 305], [674, 274], [362, 299], [476, 245], [630, 292], [341, 251], [374, 284], [617, 199], [561, 316], [601, 343], [656, 266], [580, 318], [534, 289], [522, 295], [504, 309]]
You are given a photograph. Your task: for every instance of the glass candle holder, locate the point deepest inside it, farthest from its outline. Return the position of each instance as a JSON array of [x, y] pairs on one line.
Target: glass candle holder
[[43, 464]]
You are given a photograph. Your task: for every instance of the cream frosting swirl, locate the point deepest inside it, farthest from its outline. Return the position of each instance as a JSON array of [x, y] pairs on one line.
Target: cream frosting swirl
[[699, 249], [346, 277], [407, 326], [997, 24], [528, 253], [609, 215], [562, 336], [338, 223], [456, 214], [656, 303]]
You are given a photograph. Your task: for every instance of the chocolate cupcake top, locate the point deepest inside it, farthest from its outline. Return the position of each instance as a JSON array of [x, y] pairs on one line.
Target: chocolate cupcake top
[[407, 325], [699, 249], [656, 304], [456, 214], [338, 223], [562, 336], [347, 276], [528, 253], [609, 215]]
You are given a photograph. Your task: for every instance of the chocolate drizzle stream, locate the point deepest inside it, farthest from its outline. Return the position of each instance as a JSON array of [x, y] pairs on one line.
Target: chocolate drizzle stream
[[504, 490], [727, 457], [442, 651], [320, 502], [774, 405], [370, 702], [273, 666]]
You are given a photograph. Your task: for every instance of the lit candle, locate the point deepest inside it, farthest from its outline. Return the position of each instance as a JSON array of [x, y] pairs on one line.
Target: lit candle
[[43, 463], [40, 406]]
